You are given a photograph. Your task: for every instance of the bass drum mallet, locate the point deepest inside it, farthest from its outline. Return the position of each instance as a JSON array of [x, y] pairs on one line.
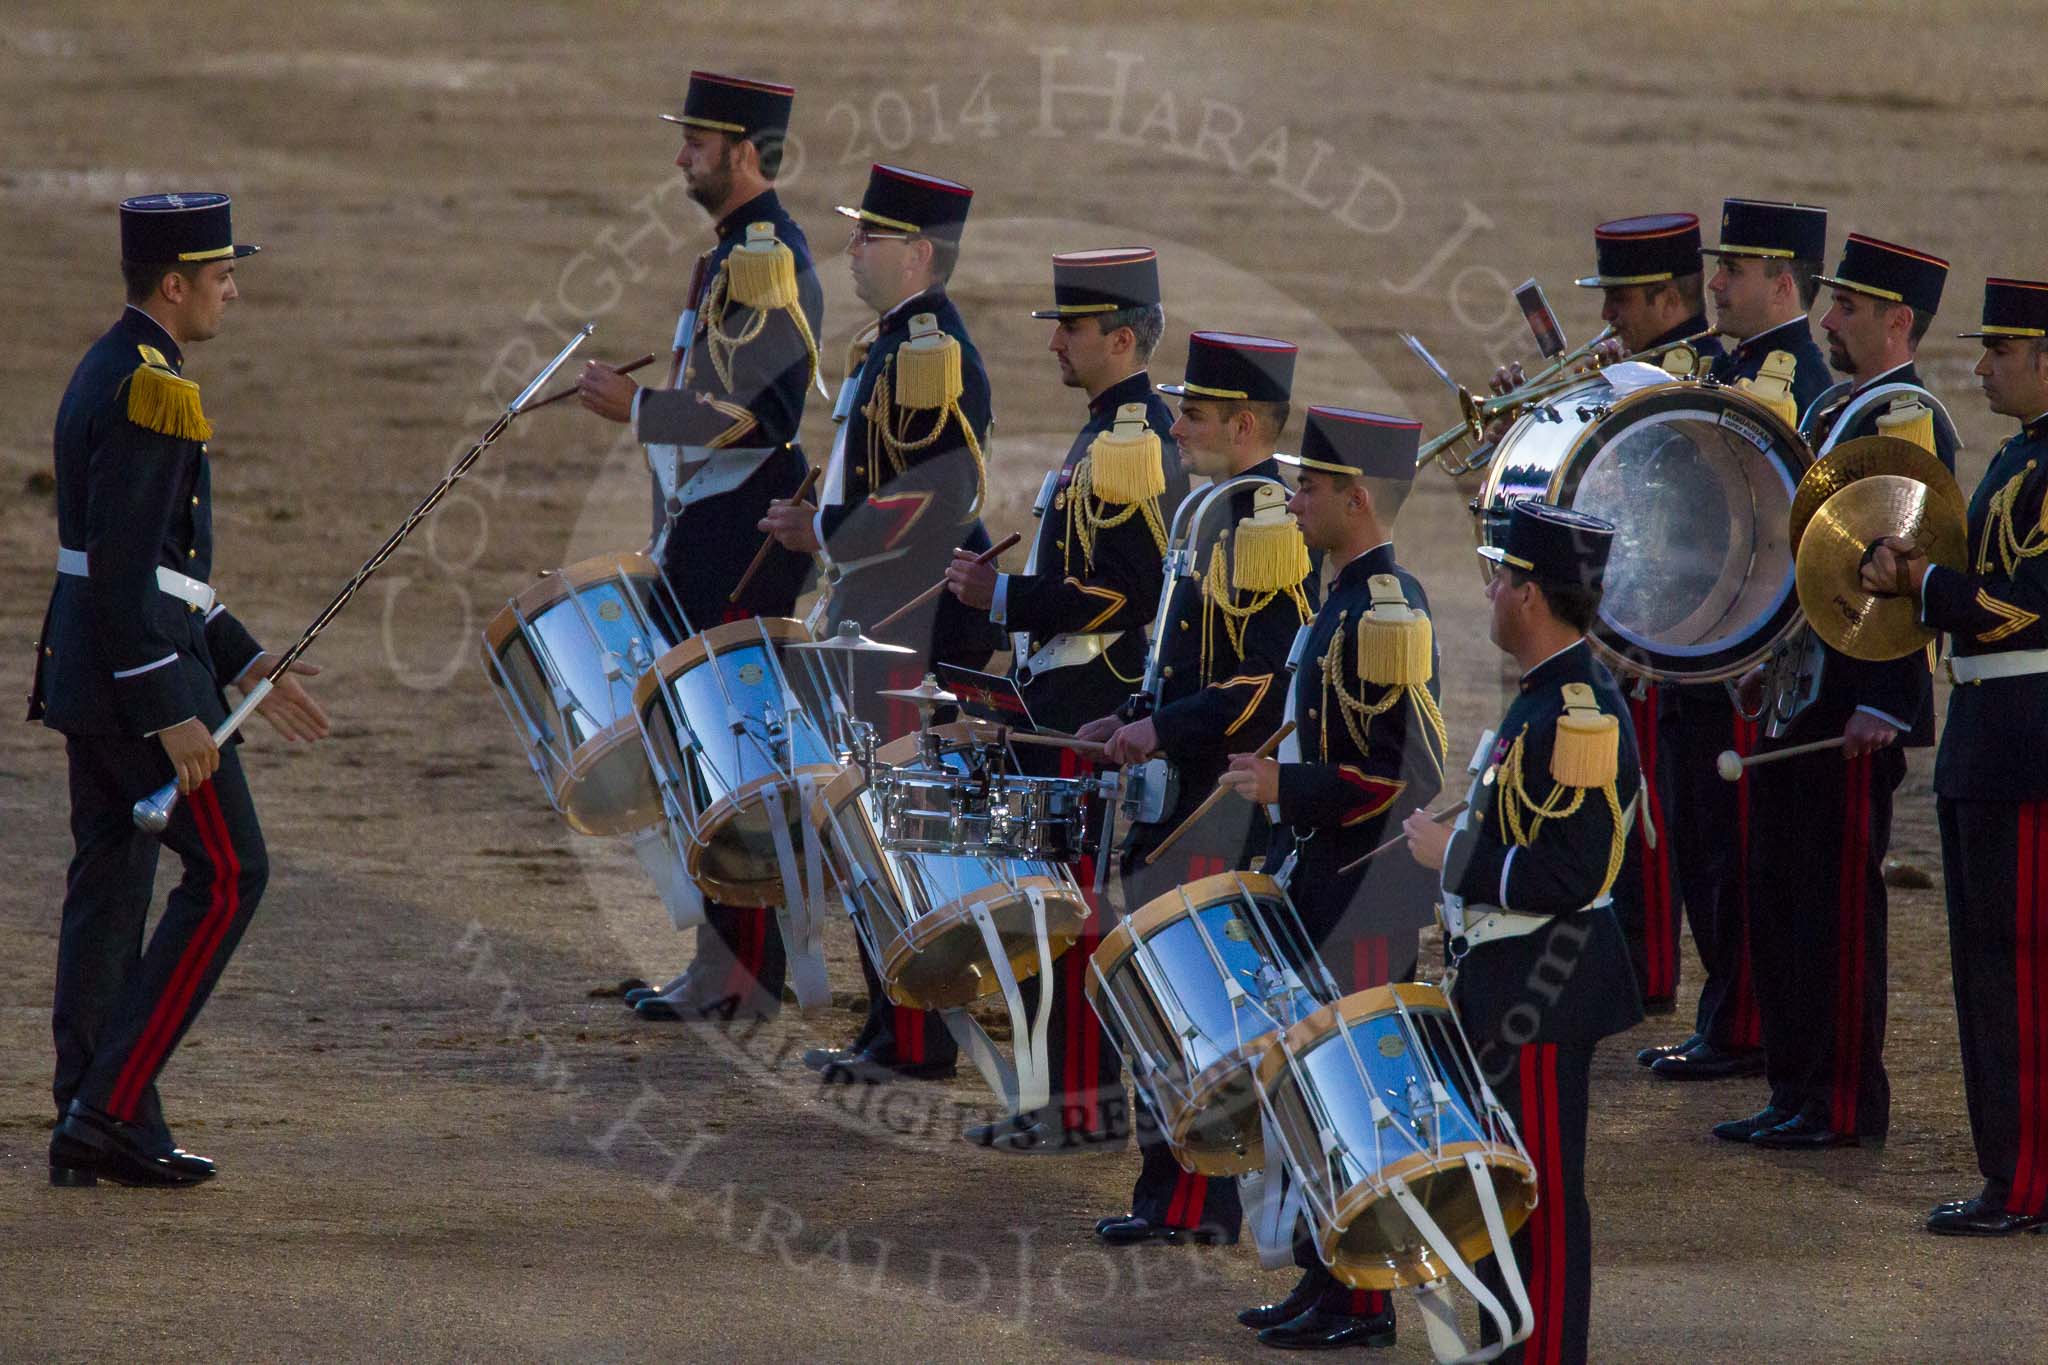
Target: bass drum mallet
[[153, 813], [1732, 765]]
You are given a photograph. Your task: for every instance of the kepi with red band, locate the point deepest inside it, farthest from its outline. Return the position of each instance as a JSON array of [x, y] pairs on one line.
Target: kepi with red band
[[1888, 271], [735, 105], [901, 200], [1229, 365], [1647, 250]]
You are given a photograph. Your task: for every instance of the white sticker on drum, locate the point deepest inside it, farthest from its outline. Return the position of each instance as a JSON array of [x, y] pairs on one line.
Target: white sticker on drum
[[1747, 427]]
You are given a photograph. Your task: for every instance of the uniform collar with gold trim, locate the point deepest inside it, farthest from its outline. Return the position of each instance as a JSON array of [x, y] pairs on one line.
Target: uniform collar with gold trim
[[1132, 388], [160, 338], [1561, 667], [763, 207]]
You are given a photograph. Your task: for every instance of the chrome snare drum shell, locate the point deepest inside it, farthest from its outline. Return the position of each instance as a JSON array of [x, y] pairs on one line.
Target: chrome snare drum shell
[[920, 907], [1698, 479], [722, 778], [564, 656], [1154, 966], [1310, 1080]]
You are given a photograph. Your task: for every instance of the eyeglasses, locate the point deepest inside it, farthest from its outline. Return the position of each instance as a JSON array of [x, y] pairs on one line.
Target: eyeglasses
[[861, 234]]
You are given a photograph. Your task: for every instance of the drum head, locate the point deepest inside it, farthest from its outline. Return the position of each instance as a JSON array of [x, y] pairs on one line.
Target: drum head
[[942, 960], [1699, 481]]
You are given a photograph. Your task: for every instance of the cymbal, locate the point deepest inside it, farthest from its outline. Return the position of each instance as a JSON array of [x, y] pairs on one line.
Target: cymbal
[[1861, 458], [926, 693], [1831, 556], [849, 640]]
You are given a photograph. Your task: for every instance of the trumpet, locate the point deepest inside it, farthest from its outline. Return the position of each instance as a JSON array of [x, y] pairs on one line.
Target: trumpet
[[1547, 382]]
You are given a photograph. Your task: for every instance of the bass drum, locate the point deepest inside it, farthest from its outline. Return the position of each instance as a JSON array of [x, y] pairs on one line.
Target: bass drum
[[1698, 480]]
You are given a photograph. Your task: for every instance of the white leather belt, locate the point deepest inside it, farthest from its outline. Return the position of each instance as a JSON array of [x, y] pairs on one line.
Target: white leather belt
[[2012, 663], [178, 585], [1499, 924], [1064, 651]]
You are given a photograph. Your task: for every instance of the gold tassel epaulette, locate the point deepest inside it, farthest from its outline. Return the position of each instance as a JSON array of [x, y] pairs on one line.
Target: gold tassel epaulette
[[1126, 464], [1773, 386], [926, 375], [1587, 753], [1909, 420], [1394, 639], [1268, 554], [1123, 469], [163, 401], [758, 275]]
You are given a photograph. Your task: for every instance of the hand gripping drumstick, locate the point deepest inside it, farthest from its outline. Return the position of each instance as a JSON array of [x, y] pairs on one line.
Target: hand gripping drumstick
[[1447, 813], [152, 813], [559, 394], [803, 490], [1265, 751], [935, 589], [1731, 764]]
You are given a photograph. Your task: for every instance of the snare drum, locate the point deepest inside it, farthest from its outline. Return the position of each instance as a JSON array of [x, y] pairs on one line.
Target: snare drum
[[1191, 1040], [1387, 1074], [1698, 480], [919, 910], [969, 805], [563, 657], [727, 732]]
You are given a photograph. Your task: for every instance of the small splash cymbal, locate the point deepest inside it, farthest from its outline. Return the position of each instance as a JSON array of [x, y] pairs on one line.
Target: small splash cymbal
[[926, 693], [1836, 543], [1862, 458], [848, 640]]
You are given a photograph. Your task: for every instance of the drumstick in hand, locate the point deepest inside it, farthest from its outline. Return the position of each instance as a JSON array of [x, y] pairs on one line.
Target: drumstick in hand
[[1265, 751], [803, 490], [1447, 813], [570, 392], [935, 589]]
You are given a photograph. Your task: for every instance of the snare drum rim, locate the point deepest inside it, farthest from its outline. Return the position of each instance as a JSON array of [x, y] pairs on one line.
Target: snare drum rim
[[1353, 1008], [583, 760], [1163, 909], [1422, 1267], [1218, 1075], [918, 934], [768, 892], [695, 650], [556, 585], [902, 750]]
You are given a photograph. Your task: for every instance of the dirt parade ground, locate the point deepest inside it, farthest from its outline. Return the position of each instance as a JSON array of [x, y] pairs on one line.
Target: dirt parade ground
[[441, 1135]]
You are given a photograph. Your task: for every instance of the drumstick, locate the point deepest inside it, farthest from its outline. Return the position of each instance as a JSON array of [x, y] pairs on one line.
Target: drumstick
[[1731, 764], [1447, 813], [1080, 746], [935, 589], [761, 555], [1265, 751], [570, 392]]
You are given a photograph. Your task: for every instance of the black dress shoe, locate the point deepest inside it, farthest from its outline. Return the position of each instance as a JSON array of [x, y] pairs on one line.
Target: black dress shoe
[[868, 1067], [1802, 1134], [1742, 1130], [639, 993], [89, 1146], [1298, 1301], [1029, 1135], [1318, 1330], [1705, 1062], [1975, 1218], [818, 1058], [1649, 1055], [1131, 1230]]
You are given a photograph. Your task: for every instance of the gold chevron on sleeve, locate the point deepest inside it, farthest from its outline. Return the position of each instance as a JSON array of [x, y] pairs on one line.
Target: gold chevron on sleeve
[[1112, 600], [2016, 618], [1260, 683]]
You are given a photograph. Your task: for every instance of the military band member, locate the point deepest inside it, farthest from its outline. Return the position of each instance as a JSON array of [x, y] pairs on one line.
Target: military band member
[[1820, 823], [1222, 647], [902, 490], [1540, 969], [721, 440], [1077, 617], [1368, 749], [1650, 276], [134, 653], [1991, 773], [1770, 257]]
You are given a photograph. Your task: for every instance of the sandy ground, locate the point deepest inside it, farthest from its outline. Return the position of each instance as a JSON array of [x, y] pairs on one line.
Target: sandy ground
[[437, 1142]]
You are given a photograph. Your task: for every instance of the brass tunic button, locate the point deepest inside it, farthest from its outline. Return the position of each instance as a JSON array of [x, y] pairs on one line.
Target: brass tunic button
[[1166, 672], [49, 654], [1183, 625], [195, 500], [1311, 713], [192, 554]]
